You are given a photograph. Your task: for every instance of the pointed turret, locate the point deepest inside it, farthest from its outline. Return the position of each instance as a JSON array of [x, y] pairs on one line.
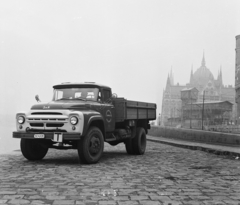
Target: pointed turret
[[220, 76], [191, 76], [203, 60], [163, 108], [171, 77], [168, 80], [168, 85]]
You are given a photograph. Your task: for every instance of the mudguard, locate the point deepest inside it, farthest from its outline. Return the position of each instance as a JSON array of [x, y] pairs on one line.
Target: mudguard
[[93, 117]]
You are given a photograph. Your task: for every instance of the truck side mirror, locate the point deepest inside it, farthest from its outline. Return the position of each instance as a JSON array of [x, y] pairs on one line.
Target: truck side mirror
[[114, 95], [37, 98]]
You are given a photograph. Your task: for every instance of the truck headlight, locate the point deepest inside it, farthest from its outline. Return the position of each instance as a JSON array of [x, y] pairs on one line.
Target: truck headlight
[[21, 119], [73, 120]]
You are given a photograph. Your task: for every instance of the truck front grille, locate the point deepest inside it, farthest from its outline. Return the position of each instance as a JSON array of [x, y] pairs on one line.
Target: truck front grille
[[36, 124], [54, 125], [46, 113], [47, 125], [45, 119]]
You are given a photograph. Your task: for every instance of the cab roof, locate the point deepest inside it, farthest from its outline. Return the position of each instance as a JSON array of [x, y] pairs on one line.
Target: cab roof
[[79, 84]]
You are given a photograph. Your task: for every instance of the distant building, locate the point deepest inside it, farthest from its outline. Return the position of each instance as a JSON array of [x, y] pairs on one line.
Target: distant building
[[237, 76], [202, 80], [208, 114]]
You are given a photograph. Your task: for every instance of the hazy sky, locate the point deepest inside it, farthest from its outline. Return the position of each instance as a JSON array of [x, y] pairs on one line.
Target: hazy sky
[[128, 45]]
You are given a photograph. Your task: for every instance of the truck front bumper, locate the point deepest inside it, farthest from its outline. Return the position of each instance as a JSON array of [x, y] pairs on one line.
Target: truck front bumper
[[47, 135]]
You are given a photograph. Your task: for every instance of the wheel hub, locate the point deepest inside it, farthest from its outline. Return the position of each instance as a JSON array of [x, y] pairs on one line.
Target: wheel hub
[[94, 146]]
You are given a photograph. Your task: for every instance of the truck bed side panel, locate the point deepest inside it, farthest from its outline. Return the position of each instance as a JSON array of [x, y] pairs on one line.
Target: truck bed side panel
[[127, 110], [119, 104]]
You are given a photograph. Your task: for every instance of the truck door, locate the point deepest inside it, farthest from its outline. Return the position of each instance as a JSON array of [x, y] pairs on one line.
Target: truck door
[[108, 110]]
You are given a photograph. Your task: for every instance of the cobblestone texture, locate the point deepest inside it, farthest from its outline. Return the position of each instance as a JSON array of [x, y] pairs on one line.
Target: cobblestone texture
[[165, 175]]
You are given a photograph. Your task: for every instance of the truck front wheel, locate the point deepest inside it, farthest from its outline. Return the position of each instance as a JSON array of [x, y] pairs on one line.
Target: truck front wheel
[[140, 141], [90, 147], [33, 149]]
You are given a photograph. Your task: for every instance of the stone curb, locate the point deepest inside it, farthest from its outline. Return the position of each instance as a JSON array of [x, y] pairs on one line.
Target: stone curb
[[197, 147]]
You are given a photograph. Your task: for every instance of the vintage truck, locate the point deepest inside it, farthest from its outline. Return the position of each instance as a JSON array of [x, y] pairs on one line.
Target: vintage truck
[[83, 116]]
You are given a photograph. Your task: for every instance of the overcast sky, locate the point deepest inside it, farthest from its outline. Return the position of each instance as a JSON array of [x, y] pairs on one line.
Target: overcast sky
[[129, 45]]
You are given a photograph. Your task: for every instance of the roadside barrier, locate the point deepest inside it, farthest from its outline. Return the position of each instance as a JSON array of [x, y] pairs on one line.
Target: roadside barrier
[[195, 135]]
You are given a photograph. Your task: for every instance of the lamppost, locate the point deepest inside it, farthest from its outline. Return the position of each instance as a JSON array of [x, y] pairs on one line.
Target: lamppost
[[191, 115], [203, 108], [172, 115], [159, 119], [179, 115]]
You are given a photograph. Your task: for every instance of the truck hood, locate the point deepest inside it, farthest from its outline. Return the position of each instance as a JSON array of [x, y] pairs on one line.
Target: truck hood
[[74, 104]]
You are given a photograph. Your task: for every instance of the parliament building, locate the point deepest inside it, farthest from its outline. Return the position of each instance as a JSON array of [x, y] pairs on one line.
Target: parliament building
[[210, 90]]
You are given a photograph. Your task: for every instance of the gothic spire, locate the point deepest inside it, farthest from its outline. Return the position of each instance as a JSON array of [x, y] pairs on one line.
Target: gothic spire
[[203, 60], [171, 77], [168, 81], [191, 76], [220, 76]]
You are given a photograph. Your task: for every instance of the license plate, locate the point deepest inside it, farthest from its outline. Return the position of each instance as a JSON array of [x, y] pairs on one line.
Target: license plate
[[39, 136], [58, 137]]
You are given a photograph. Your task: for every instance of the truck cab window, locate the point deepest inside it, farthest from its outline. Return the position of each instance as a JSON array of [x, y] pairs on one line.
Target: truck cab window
[[76, 94], [90, 95], [59, 95], [106, 95]]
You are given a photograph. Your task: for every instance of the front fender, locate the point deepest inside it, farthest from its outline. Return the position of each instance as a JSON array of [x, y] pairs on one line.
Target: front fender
[[95, 119]]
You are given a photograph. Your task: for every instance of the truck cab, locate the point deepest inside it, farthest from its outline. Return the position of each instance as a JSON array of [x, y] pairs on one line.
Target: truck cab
[[89, 96]]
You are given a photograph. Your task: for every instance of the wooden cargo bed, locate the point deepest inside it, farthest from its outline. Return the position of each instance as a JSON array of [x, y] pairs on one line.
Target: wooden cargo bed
[[133, 110]]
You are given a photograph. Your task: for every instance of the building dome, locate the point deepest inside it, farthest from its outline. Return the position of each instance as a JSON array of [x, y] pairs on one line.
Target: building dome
[[202, 75]]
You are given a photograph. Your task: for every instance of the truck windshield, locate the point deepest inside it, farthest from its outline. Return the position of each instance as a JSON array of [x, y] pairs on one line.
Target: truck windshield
[[76, 94]]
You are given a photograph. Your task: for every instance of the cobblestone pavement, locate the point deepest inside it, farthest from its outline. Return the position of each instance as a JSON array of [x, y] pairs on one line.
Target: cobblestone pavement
[[164, 175]]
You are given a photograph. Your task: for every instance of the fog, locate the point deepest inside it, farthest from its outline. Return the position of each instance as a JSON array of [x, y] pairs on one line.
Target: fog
[[130, 46]]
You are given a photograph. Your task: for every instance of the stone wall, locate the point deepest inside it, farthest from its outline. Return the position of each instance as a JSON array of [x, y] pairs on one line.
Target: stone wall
[[237, 76], [195, 135]]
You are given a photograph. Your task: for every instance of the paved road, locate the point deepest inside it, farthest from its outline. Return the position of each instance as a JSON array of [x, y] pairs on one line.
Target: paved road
[[164, 175]]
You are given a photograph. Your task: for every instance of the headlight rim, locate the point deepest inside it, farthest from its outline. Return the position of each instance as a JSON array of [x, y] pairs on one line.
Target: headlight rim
[[76, 118], [23, 119]]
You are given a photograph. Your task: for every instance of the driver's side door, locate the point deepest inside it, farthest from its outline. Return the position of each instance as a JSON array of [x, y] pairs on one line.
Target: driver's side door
[[108, 110]]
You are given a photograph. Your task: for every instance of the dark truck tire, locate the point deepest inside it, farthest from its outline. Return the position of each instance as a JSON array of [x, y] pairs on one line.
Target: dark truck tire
[[33, 149], [129, 146], [90, 147], [129, 142], [140, 141], [138, 144]]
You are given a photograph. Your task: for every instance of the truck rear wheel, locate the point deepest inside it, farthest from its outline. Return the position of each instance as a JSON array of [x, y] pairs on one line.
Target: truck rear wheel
[[33, 149], [90, 147], [140, 141], [129, 146]]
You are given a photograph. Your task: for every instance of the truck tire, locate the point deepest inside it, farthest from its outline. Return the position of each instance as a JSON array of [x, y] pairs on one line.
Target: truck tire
[[129, 142], [139, 141], [90, 147], [33, 149], [129, 146]]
